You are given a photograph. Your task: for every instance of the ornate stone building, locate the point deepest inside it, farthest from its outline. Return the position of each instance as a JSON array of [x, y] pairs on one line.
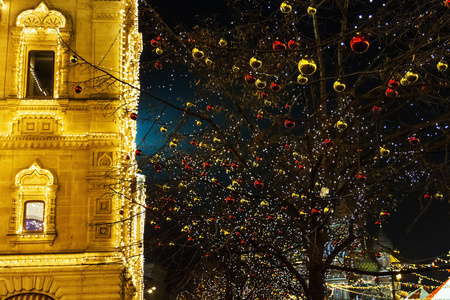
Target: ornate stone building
[[72, 204]]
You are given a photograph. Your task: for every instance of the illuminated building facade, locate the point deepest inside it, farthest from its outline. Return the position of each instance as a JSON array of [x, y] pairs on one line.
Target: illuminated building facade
[[72, 202]]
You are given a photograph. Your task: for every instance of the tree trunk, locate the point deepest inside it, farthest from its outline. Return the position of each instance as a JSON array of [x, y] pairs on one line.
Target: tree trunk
[[316, 281]]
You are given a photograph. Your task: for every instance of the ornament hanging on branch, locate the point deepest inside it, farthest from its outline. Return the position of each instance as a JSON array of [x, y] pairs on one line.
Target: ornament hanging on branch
[[359, 44], [302, 79], [285, 7], [307, 66], [278, 46], [339, 86], [442, 65], [255, 62]]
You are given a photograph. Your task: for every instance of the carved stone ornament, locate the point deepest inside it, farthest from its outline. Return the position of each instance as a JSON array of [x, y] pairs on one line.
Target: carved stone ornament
[[41, 16]]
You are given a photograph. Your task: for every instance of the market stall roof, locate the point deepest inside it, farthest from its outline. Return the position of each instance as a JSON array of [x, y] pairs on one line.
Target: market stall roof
[[420, 293], [441, 293]]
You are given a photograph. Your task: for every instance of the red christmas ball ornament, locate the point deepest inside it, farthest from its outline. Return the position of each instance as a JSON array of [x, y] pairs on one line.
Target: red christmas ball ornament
[[250, 79], [121, 212], [359, 44], [360, 177], [157, 167], [377, 223], [209, 108], [328, 143], [207, 165], [377, 255], [188, 168], [127, 157], [393, 84], [391, 93], [258, 184], [293, 45], [289, 124], [77, 89], [234, 165], [447, 3], [413, 140], [270, 218], [275, 86], [315, 212], [158, 65], [376, 109], [230, 200], [187, 111], [264, 95], [156, 42], [259, 116], [133, 116], [138, 152], [427, 196], [278, 46], [287, 106]]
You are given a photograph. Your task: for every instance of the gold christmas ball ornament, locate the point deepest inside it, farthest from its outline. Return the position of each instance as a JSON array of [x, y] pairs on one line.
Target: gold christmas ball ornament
[[197, 54], [255, 62], [260, 84], [235, 69], [163, 129], [341, 125], [223, 42], [442, 65], [411, 76], [159, 51], [311, 11], [208, 62], [439, 196], [404, 81], [285, 7], [384, 151], [302, 79], [307, 66], [339, 86], [199, 123]]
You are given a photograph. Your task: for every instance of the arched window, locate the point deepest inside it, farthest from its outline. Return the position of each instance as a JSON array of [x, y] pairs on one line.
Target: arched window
[[30, 296], [33, 215], [41, 71]]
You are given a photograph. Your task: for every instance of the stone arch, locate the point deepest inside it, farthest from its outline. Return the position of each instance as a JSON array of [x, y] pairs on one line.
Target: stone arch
[[34, 287]]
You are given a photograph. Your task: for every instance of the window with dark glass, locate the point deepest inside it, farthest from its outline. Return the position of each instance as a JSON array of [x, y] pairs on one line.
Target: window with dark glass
[[34, 216], [40, 73]]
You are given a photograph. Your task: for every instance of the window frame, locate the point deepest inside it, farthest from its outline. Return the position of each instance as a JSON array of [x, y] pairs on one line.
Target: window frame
[[32, 54], [24, 225]]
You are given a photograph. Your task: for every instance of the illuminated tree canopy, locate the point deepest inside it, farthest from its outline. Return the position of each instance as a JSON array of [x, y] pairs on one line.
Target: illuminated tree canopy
[[302, 123]]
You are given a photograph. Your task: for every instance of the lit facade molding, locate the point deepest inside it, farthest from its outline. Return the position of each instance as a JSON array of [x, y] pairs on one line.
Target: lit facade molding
[[72, 195]]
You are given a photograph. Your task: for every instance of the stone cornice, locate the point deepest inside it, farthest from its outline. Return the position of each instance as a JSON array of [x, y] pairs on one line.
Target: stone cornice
[[52, 142]]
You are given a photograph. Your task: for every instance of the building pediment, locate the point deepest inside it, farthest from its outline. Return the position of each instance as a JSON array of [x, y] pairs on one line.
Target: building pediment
[[41, 16]]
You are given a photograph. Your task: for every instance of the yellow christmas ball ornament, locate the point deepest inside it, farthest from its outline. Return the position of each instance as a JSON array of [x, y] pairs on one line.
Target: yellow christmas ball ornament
[[159, 51], [311, 11], [411, 76], [339, 86], [197, 54], [223, 42], [260, 84], [235, 68], [255, 62], [208, 62], [439, 196], [384, 151], [341, 125], [442, 65], [163, 129], [199, 123], [302, 79], [307, 66], [285, 7], [404, 81]]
